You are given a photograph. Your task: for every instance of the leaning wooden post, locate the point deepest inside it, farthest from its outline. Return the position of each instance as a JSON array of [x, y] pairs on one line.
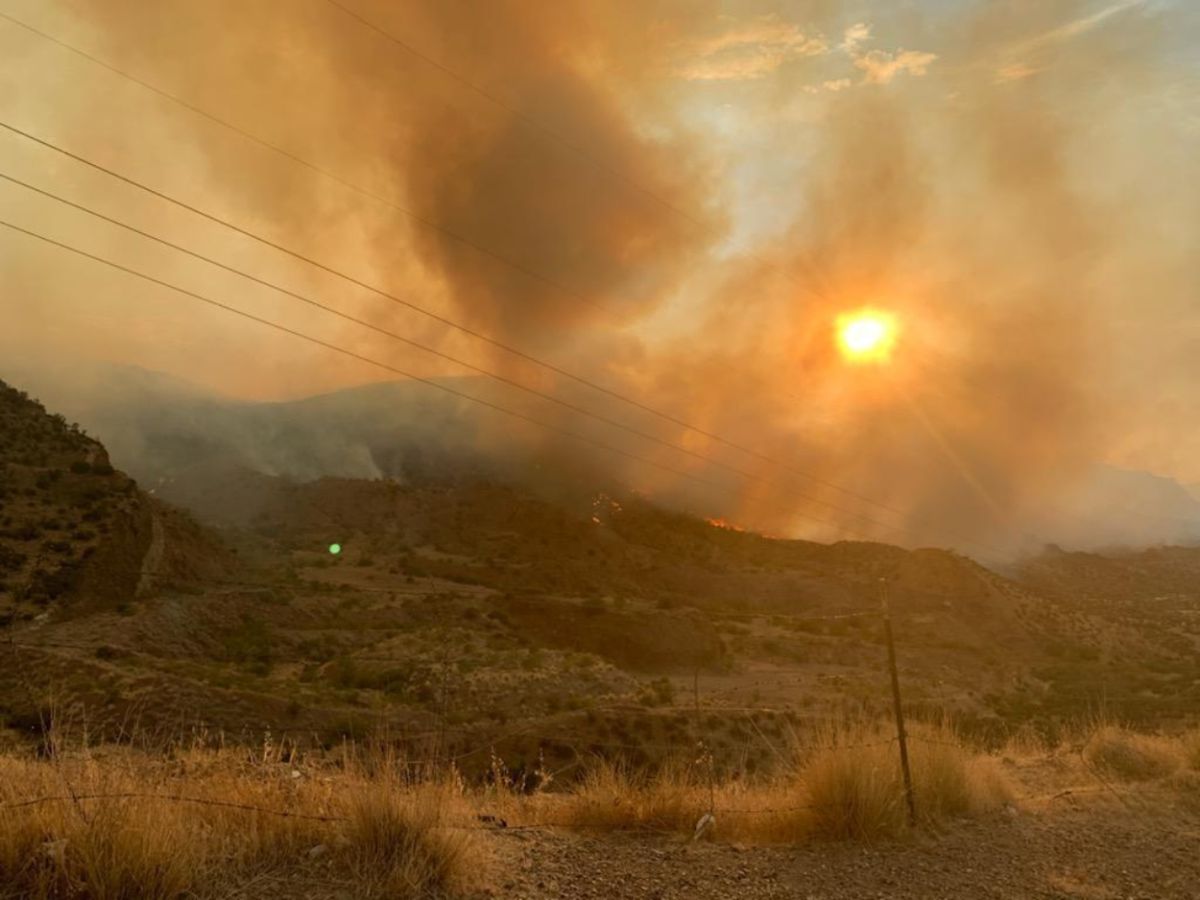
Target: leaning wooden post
[[901, 734]]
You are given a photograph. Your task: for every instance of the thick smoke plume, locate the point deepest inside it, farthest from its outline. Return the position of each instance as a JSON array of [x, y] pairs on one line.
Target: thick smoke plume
[[1000, 186]]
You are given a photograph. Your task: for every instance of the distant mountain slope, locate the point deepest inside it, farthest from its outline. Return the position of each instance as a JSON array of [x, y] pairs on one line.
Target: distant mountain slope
[[188, 446], [158, 427]]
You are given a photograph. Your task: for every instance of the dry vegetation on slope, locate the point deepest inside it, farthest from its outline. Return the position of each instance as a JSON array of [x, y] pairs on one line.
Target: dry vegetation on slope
[[477, 612], [562, 662]]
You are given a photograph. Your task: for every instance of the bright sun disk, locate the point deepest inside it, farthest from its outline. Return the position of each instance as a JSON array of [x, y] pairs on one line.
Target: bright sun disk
[[866, 335]]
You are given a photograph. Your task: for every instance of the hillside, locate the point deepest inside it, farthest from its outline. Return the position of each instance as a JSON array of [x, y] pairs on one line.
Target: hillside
[[463, 610], [76, 535], [70, 525], [172, 435]]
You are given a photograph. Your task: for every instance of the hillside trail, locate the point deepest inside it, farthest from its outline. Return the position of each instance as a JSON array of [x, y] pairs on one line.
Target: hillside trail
[[1089, 854], [152, 560]]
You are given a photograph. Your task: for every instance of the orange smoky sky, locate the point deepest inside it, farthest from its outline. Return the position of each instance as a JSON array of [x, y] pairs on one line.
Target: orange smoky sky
[[677, 200]]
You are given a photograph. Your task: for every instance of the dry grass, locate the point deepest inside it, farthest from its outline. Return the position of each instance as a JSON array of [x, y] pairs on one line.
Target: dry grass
[[613, 796], [854, 785], [1190, 747], [201, 823], [122, 839], [844, 784], [1130, 756]]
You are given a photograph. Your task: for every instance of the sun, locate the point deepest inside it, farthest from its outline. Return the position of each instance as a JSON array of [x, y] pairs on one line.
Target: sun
[[866, 335]]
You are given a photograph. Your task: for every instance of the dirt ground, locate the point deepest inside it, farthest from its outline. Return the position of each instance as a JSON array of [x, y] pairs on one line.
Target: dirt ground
[[1097, 851]]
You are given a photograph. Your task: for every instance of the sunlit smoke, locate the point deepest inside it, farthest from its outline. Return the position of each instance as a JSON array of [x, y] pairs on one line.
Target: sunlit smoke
[[683, 213]]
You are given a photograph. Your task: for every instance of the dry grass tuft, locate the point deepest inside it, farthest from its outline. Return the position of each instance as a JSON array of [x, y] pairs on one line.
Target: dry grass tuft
[[854, 784], [1129, 756], [126, 838], [397, 843], [845, 784], [611, 795]]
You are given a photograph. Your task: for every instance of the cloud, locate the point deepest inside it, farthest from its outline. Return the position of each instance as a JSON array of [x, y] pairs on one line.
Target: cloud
[[833, 86], [856, 34], [1075, 27], [1014, 72], [880, 67], [750, 51], [1015, 66]]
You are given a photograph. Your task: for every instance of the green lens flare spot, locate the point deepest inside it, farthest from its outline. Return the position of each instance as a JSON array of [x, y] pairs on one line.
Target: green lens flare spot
[[335, 549]]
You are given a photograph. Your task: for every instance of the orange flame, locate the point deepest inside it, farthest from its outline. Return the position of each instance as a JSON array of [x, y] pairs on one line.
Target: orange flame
[[724, 523]]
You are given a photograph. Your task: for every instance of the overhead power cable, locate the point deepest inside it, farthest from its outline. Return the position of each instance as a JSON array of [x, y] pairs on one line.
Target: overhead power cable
[[585, 154], [617, 395], [318, 169], [480, 370], [430, 382], [350, 185], [551, 367]]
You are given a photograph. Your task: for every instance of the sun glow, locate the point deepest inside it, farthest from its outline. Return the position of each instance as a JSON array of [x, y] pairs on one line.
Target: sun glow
[[866, 335]]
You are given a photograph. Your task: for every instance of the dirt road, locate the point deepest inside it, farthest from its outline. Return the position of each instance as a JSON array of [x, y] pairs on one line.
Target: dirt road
[[1098, 852]]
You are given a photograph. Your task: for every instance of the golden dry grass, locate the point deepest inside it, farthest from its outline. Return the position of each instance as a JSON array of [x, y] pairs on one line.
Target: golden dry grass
[[854, 784], [1130, 756], [845, 783], [200, 823], [146, 828]]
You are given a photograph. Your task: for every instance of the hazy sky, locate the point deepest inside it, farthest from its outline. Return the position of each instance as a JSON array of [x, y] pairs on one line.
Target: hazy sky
[[675, 198]]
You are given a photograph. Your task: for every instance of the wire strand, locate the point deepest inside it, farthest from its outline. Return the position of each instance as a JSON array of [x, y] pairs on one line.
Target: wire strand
[[563, 432], [480, 370]]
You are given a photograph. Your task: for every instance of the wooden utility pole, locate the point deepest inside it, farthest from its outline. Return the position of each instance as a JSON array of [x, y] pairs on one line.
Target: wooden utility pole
[[706, 753], [901, 734]]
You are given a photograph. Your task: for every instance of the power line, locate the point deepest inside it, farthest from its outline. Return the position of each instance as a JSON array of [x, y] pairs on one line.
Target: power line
[[507, 348], [572, 435], [524, 118], [417, 344], [598, 162], [426, 348], [441, 229], [464, 329], [424, 221], [575, 408]]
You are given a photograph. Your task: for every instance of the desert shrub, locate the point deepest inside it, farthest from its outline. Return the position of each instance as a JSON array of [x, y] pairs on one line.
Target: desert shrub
[[1130, 756], [250, 644], [398, 843], [49, 584], [659, 692], [11, 560], [25, 532]]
